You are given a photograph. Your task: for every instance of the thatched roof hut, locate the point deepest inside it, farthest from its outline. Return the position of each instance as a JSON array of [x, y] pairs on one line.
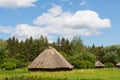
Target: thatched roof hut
[[99, 64], [50, 59], [118, 65]]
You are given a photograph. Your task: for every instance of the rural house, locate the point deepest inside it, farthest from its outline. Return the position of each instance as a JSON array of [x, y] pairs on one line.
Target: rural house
[[118, 65], [99, 64], [51, 60]]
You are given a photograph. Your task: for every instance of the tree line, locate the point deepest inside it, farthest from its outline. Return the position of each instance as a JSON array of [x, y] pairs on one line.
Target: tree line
[[18, 54]]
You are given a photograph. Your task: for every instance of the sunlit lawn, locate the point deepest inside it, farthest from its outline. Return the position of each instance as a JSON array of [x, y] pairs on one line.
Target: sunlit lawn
[[82, 74]]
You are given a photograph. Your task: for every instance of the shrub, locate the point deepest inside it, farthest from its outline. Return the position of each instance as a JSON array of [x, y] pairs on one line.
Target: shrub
[[22, 64], [108, 65], [8, 65], [84, 64], [19, 63], [76, 64]]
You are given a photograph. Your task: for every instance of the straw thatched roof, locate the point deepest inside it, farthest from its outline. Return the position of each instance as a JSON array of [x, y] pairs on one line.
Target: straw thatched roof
[[99, 64], [50, 59], [118, 65]]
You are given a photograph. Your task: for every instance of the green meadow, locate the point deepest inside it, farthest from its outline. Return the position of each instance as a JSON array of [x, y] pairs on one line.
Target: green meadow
[[81, 74]]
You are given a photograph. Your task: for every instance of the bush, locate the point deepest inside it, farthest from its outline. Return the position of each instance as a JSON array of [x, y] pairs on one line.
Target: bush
[[8, 65], [19, 63], [84, 64], [109, 65], [22, 64], [76, 64]]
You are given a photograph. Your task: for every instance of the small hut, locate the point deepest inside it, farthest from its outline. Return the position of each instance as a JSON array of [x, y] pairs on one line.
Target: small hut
[[118, 65], [50, 60], [99, 64]]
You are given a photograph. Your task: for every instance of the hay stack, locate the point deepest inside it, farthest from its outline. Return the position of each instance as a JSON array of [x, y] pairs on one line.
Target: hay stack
[[50, 59]]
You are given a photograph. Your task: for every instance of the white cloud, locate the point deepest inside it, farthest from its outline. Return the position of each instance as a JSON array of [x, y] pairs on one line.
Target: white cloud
[[82, 3], [86, 22], [86, 19], [23, 31], [55, 10], [5, 29], [16, 3], [56, 21]]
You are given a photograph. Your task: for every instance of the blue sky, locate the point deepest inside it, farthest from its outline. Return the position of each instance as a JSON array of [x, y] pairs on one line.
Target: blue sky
[[95, 21]]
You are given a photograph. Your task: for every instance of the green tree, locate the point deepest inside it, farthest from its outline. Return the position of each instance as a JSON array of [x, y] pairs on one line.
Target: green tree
[[77, 45], [98, 51], [38, 45], [111, 57], [2, 55]]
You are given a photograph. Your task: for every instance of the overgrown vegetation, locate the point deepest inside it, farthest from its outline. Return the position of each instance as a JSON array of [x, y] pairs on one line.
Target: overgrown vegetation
[[18, 54]]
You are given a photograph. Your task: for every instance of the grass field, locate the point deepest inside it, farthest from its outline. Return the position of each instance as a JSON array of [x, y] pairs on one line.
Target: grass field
[[82, 74]]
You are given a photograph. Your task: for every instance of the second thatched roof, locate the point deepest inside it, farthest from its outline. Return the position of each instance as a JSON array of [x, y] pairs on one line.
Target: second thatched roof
[[98, 64], [50, 59], [118, 65]]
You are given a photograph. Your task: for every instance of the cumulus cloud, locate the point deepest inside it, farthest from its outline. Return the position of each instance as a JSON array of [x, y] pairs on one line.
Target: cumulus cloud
[[86, 22], [16, 3], [5, 29], [86, 19], [23, 31], [56, 21]]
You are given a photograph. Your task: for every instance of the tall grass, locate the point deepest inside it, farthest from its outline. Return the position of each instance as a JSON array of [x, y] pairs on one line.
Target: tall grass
[[83, 74]]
